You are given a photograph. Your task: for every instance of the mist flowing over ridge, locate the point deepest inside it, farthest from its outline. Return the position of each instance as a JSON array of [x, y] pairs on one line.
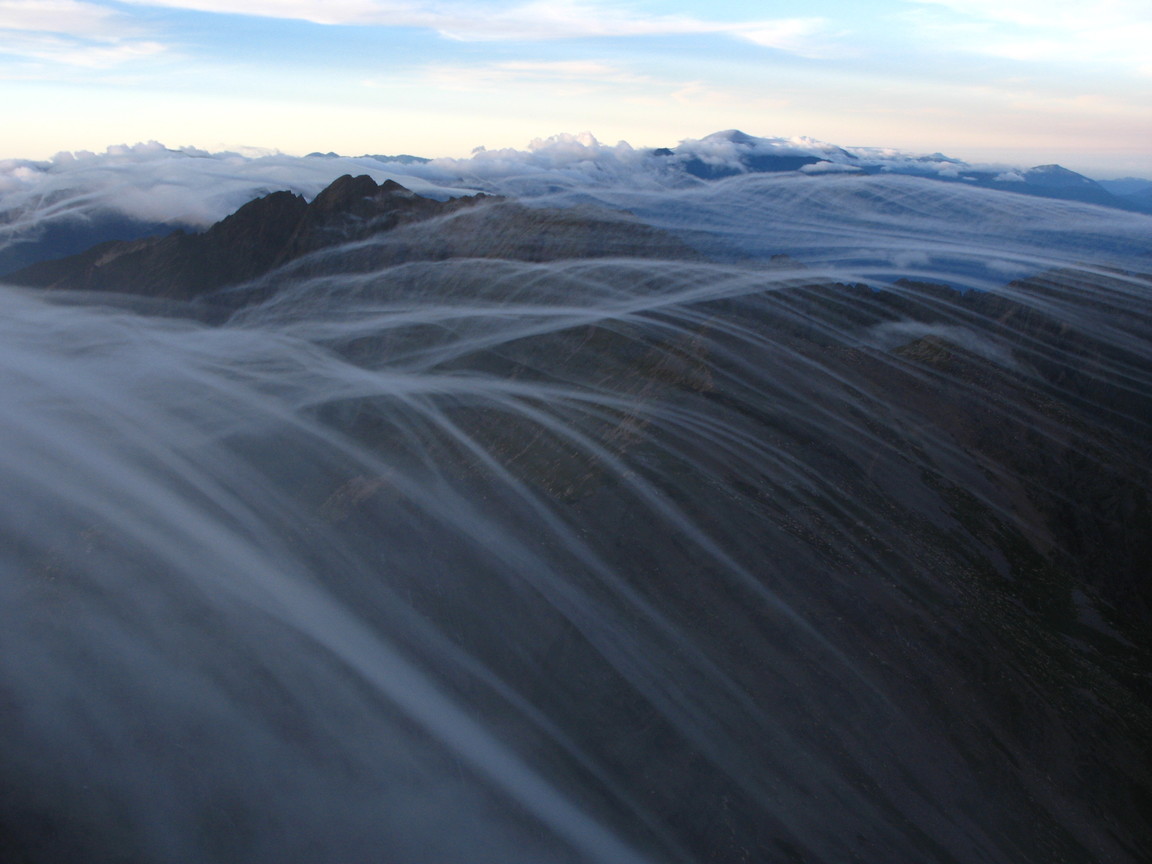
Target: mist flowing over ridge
[[64, 205], [627, 517]]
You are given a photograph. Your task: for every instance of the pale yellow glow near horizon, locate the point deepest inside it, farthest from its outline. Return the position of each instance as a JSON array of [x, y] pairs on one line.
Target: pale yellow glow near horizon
[[68, 119]]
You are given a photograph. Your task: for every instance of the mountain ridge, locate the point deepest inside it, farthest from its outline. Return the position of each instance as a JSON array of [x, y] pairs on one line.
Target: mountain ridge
[[789, 555], [282, 228], [742, 153], [62, 207]]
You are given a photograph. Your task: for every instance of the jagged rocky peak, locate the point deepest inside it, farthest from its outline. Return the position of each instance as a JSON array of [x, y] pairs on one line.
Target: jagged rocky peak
[[282, 228], [263, 234], [272, 215], [354, 207], [289, 216], [350, 193]]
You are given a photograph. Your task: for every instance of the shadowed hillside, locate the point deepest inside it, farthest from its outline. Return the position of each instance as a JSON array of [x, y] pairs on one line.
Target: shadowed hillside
[[505, 531]]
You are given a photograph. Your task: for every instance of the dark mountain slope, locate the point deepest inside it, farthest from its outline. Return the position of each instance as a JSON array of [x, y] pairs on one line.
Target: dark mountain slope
[[479, 530], [952, 486], [391, 224], [261, 235], [63, 237]]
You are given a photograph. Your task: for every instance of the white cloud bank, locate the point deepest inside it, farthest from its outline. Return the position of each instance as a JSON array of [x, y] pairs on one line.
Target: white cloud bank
[[151, 183], [193, 187]]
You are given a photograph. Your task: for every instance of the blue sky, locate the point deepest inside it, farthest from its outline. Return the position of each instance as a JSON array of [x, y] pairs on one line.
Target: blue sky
[[1025, 82]]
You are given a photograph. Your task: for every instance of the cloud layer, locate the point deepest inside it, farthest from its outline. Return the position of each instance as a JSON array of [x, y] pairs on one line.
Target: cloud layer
[[187, 187], [567, 19]]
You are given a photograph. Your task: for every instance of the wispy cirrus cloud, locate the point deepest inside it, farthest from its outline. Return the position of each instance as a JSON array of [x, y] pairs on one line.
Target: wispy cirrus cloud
[[533, 72], [608, 80], [71, 33], [316, 11], [1060, 14], [72, 52], [808, 37], [552, 20], [58, 16], [1107, 31]]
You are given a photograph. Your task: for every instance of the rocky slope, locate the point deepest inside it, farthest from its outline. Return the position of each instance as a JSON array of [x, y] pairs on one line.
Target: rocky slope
[[736, 561], [389, 223]]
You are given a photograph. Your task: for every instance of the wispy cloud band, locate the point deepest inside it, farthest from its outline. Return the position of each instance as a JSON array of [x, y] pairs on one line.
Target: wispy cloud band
[[71, 33], [1115, 32], [556, 19]]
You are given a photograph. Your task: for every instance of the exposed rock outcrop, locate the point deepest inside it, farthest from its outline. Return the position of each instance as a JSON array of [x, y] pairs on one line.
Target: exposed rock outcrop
[[282, 227]]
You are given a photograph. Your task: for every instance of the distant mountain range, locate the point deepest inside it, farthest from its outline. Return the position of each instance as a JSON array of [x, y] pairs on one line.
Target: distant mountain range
[[733, 152], [724, 154], [63, 220]]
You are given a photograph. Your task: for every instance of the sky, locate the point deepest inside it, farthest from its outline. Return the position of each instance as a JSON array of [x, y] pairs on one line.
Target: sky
[[1019, 81]]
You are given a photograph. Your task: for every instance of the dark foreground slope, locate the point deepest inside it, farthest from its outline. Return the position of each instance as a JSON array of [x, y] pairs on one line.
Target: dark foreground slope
[[608, 554]]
